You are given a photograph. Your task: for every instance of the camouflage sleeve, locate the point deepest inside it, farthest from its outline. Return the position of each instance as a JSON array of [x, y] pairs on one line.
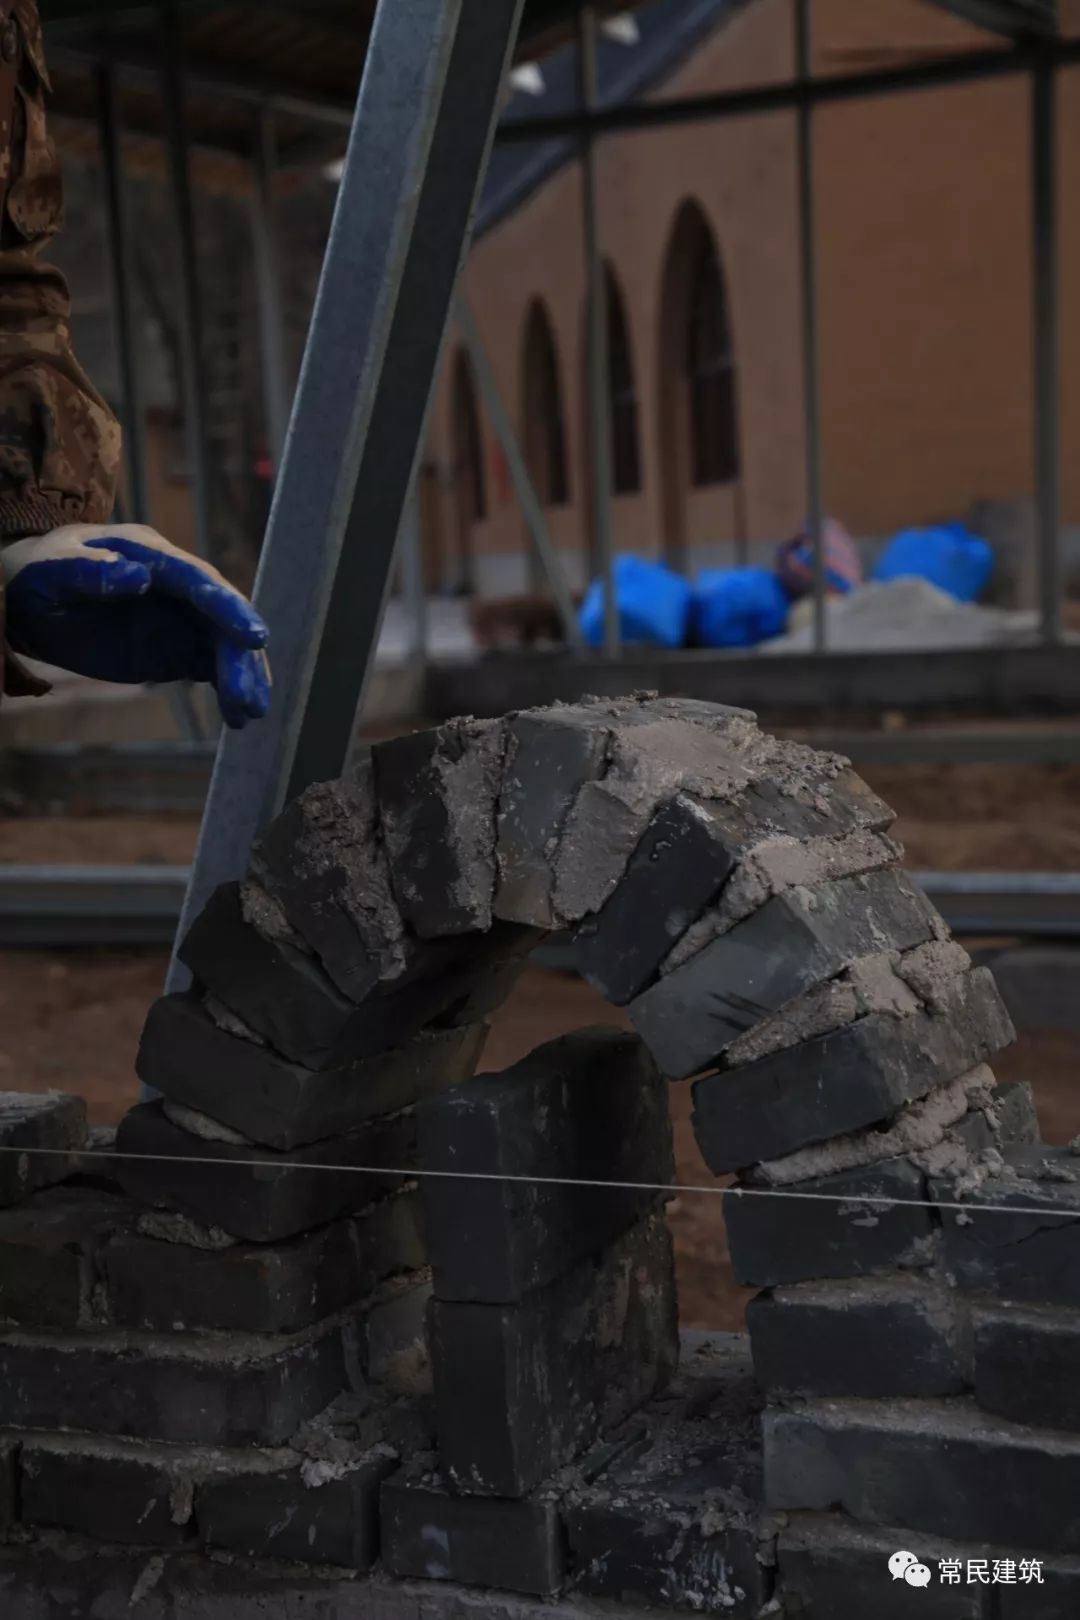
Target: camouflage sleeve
[[59, 442]]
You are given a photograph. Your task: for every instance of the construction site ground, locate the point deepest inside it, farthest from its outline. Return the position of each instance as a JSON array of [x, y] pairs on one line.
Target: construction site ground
[[70, 1020]]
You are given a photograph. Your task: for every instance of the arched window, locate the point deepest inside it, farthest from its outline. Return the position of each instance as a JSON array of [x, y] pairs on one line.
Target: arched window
[[710, 370], [545, 431], [625, 453], [468, 446]]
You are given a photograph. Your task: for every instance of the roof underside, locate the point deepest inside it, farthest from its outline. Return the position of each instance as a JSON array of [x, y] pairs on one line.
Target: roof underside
[[301, 55]]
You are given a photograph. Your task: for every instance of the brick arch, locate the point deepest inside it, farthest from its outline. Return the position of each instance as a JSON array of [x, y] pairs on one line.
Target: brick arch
[[742, 897], [711, 878]]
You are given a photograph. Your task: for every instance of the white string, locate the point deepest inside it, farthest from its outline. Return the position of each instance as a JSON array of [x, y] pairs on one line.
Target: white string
[[887, 1201]]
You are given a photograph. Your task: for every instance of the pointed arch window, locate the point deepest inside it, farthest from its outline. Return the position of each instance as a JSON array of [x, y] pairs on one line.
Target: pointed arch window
[[545, 427], [468, 445], [622, 386], [710, 370]]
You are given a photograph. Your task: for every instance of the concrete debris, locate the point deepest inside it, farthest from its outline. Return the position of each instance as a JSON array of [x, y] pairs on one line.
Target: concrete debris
[[907, 614]]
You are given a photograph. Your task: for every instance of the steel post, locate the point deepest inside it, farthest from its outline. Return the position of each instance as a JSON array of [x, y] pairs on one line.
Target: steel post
[[449, 191], [535, 522], [1047, 345], [192, 366], [275, 369], [599, 394], [122, 300], [815, 516], [418, 148]]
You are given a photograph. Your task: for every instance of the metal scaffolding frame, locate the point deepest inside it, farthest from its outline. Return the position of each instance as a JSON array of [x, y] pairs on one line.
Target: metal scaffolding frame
[[1039, 56], [425, 117], [420, 134]]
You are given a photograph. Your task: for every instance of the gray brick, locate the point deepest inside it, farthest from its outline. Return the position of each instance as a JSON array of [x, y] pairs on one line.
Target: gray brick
[[9, 1483], [673, 1519], [1052, 1594], [323, 862], [231, 1391], [850, 1078], [285, 996], [791, 943], [522, 1389], [394, 1337], [897, 1335], [438, 792], [430, 1534], [47, 1121], [261, 1288], [780, 1240], [186, 1057], [830, 1567], [551, 754], [1025, 1364], [676, 870], [1027, 1257], [47, 1250], [588, 1106], [277, 1514], [115, 1492], [257, 1194], [939, 1466]]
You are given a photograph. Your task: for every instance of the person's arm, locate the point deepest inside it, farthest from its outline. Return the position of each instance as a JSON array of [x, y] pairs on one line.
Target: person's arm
[[118, 603], [59, 442]]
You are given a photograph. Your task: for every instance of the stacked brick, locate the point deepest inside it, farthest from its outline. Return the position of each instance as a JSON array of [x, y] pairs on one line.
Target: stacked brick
[[232, 1337], [553, 1314]]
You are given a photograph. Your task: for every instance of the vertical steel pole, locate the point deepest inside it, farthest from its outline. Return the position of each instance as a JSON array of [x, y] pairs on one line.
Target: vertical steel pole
[[599, 394], [815, 516], [275, 371], [181, 702], [192, 363], [528, 500], [420, 138], [122, 303], [450, 189], [1045, 282], [413, 585]]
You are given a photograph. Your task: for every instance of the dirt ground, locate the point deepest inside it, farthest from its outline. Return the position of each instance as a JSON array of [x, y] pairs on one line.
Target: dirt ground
[[71, 1020]]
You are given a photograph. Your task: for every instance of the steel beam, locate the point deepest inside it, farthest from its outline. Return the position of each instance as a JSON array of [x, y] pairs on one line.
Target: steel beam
[[412, 171], [815, 515], [996, 680], [51, 907], [208, 80], [449, 191], [192, 366], [968, 67], [597, 371], [1017, 19], [536, 524], [1047, 344]]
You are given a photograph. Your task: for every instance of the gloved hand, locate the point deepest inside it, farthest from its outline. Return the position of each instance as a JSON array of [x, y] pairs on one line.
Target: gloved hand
[[119, 603]]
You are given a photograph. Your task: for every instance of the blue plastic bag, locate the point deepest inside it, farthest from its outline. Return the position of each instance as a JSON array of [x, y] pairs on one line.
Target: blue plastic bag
[[738, 607], [653, 602], [949, 556]]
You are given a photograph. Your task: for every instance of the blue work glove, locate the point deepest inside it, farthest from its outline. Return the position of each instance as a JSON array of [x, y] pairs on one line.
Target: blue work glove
[[119, 603]]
